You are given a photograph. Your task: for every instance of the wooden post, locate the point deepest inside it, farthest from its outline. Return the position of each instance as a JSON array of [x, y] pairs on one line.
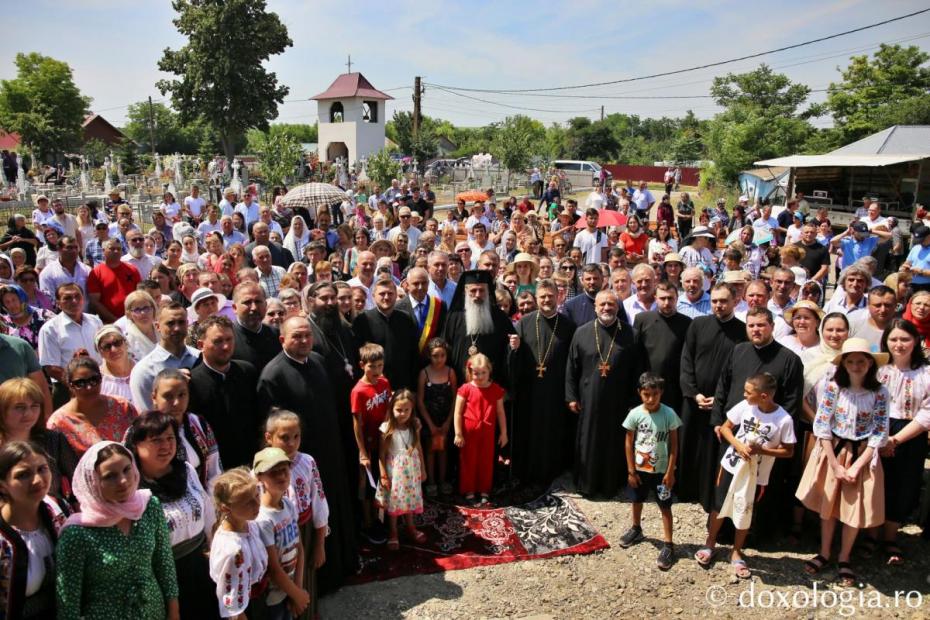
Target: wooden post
[[417, 94]]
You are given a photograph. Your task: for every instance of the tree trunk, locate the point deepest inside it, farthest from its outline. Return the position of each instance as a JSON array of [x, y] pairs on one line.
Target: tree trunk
[[229, 147]]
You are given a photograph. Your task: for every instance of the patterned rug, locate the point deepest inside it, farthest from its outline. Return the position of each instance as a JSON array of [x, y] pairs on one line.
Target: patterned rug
[[459, 537]]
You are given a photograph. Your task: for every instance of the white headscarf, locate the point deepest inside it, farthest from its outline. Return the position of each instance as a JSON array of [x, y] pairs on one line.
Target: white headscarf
[[294, 243]]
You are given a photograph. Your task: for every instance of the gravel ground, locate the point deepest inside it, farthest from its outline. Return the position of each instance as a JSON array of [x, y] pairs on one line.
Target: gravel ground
[[618, 581]]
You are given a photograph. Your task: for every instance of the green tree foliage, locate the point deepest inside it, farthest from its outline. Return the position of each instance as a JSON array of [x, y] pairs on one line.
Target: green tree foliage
[[591, 140], [297, 132], [891, 88], [128, 154], [400, 130], [279, 156], [382, 168], [43, 105], [761, 120], [95, 151], [172, 134], [517, 139], [223, 81]]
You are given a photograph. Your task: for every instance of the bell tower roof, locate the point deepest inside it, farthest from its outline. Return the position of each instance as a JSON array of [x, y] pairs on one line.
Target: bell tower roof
[[349, 85]]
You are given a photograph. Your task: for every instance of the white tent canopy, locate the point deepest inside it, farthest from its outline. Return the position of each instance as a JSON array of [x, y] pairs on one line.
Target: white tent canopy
[[840, 160]]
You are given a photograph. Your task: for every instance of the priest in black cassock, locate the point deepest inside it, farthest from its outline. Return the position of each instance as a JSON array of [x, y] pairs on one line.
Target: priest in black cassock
[[395, 331], [476, 325], [333, 340], [709, 342], [659, 336], [256, 343], [542, 445], [600, 382], [296, 380], [763, 354]]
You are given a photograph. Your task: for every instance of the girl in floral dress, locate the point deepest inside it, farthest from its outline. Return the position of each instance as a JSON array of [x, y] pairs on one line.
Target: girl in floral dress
[[402, 467]]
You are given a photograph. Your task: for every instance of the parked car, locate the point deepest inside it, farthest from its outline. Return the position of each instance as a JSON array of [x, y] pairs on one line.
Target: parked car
[[582, 173]]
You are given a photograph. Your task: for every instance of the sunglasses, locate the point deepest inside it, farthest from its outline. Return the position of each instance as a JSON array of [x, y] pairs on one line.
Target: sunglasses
[[113, 344], [89, 382], [567, 268]]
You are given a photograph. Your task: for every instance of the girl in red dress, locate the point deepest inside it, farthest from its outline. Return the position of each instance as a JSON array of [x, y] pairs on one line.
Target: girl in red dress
[[478, 404]]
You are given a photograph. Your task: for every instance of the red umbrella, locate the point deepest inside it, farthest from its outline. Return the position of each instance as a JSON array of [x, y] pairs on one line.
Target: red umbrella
[[605, 218]]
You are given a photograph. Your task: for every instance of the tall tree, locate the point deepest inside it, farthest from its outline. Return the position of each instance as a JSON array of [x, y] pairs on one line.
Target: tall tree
[[891, 88], [222, 77], [518, 139], [400, 130], [761, 120], [43, 105], [279, 157]]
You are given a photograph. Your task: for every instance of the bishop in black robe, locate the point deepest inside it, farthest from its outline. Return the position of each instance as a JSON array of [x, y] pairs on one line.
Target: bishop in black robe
[[659, 340], [600, 462], [542, 445], [775, 508], [709, 342], [495, 345], [304, 388]]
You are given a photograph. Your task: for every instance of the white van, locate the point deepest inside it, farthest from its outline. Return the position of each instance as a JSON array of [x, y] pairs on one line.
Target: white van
[[581, 173]]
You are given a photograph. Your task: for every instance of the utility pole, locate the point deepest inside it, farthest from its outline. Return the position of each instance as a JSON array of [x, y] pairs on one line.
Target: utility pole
[[151, 126], [417, 95], [602, 112]]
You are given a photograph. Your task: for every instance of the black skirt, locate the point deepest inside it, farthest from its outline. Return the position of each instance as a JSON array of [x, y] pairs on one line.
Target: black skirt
[[196, 590], [903, 474]]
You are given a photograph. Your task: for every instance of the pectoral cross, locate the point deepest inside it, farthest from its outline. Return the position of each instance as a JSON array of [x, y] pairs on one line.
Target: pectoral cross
[[540, 369], [604, 367]]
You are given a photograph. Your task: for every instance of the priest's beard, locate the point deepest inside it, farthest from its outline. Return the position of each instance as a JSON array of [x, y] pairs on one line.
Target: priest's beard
[[478, 318], [328, 319]]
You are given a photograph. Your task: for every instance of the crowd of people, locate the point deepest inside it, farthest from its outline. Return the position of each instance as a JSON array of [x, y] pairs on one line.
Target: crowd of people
[[208, 415]]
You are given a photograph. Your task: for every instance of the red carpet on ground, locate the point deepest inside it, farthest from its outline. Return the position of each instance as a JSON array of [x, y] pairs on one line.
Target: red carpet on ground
[[459, 537]]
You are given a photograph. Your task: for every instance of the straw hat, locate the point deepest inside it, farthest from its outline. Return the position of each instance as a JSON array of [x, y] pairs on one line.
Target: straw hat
[[804, 304], [740, 276], [525, 257], [860, 345], [673, 257]]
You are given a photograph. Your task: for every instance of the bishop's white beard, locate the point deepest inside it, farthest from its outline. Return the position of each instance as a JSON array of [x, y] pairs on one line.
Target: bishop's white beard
[[478, 318]]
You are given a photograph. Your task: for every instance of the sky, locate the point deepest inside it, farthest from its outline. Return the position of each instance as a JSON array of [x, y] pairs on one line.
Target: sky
[[113, 47]]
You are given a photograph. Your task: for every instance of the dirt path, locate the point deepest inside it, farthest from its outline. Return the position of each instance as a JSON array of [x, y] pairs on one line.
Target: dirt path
[[619, 582]]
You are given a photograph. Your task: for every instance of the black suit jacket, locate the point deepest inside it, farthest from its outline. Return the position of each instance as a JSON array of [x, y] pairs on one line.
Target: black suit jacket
[[580, 309], [398, 335], [405, 305]]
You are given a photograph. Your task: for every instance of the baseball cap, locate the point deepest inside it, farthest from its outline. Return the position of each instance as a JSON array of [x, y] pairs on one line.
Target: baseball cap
[[267, 459], [860, 227], [920, 233]]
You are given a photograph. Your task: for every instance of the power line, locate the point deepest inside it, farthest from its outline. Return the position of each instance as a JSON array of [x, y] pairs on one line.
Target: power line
[[695, 68], [513, 107]]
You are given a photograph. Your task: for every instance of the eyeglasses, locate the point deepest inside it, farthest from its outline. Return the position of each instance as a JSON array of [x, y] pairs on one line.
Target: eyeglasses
[[274, 313], [142, 310], [137, 240], [405, 217], [113, 344], [84, 384], [566, 268]]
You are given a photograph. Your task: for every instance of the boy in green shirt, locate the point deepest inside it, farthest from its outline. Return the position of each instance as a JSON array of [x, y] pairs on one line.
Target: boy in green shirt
[[651, 452]]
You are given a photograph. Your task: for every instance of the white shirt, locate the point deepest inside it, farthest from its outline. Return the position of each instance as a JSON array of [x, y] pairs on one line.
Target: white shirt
[[872, 224], [369, 300], [60, 337], [145, 265], [752, 425], [249, 212], [595, 200], [54, 275], [591, 245], [413, 236], [205, 228], [172, 211], [633, 306], [226, 207], [195, 205]]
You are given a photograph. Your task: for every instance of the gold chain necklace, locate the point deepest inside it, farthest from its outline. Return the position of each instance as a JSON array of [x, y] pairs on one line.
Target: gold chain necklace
[[604, 366], [542, 357]]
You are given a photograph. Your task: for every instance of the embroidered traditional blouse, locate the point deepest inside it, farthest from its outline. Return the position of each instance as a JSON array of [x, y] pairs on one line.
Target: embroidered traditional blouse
[[856, 415], [306, 491], [909, 392], [191, 515], [117, 418], [238, 562]]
